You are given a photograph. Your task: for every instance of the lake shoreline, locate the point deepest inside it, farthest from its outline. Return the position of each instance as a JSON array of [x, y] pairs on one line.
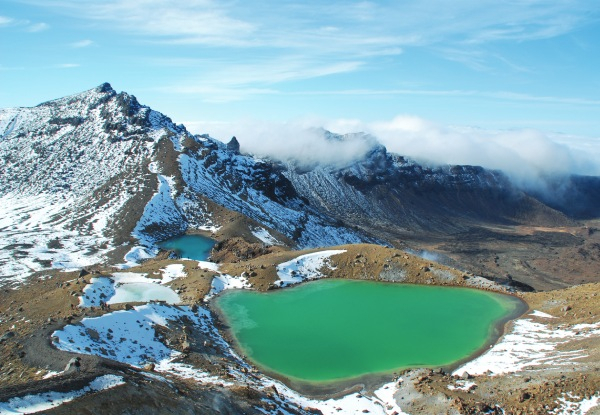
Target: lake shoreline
[[367, 383]]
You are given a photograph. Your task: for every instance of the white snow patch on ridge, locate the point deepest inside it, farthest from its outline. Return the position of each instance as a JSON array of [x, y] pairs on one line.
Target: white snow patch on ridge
[[136, 255], [172, 272], [265, 236], [541, 314], [226, 282], [30, 404], [304, 267], [160, 210], [531, 344]]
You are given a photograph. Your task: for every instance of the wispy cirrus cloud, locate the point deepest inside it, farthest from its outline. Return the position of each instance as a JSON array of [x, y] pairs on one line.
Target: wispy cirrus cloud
[[37, 27], [334, 26], [82, 43], [5, 21], [503, 95], [228, 82], [67, 65], [27, 25]]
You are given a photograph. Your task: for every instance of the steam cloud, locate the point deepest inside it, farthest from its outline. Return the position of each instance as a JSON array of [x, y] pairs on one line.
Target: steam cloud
[[526, 156]]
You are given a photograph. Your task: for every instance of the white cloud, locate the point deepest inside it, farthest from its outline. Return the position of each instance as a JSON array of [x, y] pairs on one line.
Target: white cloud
[[339, 28], [297, 140], [231, 82], [6, 21], [26, 25], [82, 43], [37, 27], [67, 65], [527, 156]]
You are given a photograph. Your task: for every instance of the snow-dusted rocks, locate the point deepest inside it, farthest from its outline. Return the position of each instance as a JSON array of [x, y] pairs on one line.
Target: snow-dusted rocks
[[31, 404], [125, 336], [226, 282]]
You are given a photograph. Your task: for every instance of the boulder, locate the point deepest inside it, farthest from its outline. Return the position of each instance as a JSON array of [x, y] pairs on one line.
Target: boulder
[[6, 336]]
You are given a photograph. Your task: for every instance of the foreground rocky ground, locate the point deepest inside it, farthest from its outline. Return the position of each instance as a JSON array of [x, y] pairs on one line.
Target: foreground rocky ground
[[547, 362]]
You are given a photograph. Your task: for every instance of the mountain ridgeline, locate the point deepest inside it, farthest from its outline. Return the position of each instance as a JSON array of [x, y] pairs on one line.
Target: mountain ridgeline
[[120, 172]]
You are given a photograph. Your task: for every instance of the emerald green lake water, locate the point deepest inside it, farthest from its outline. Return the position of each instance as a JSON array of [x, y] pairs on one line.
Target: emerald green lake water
[[333, 330], [189, 246]]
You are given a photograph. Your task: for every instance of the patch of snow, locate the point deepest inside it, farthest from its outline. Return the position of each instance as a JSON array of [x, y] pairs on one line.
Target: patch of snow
[[304, 267], [34, 236], [386, 394], [160, 212], [51, 374], [531, 344], [462, 385], [30, 404], [574, 405], [127, 336], [99, 289], [355, 403], [226, 282], [265, 236], [209, 266], [136, 255], [172, 272], [537, 313], [188, 372]]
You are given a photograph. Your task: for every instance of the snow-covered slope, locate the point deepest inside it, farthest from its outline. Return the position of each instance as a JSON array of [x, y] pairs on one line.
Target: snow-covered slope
[[89, 172]]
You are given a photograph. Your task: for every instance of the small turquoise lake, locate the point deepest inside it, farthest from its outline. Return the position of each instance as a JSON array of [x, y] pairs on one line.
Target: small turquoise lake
[[189, 246], [336, 330]]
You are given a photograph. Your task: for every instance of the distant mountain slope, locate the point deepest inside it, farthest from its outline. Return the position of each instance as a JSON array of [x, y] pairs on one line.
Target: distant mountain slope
[[395, 196], [89, 173]]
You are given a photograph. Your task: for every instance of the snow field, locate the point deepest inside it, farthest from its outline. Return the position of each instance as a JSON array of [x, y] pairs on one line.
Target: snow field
[[530, 343]]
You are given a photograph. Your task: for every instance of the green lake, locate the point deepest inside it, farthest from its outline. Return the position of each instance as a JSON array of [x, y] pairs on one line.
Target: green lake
[[189, 246], [336, 330]]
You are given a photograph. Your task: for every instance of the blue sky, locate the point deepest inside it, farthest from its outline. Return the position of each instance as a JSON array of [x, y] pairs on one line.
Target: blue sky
[[488, 64]]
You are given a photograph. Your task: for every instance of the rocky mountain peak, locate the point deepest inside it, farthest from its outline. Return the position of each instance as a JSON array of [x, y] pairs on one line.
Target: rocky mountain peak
[[233, 145], [105, 88]]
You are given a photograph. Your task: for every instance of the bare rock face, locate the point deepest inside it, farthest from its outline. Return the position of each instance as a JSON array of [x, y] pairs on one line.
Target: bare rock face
[[233, 145]]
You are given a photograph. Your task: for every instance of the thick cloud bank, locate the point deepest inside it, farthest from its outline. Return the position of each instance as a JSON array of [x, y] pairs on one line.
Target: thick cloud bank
[[306, 144], [527, 156]]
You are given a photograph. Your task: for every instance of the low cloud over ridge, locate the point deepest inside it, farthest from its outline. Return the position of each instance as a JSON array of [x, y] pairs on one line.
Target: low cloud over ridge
[[527, 156]]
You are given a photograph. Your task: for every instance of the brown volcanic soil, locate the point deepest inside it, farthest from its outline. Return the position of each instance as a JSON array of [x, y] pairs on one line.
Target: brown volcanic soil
[[544, 258]]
